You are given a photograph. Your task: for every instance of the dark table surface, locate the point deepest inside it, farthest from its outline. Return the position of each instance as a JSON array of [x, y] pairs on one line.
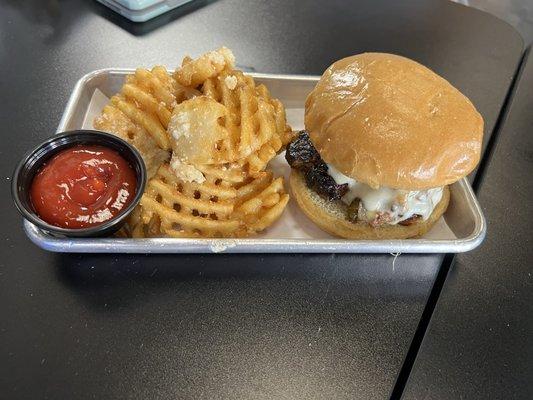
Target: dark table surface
[[479, 344], [248, 326]]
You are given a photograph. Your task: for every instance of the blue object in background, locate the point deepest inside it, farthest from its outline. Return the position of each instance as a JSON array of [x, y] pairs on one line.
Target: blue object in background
[[142, 10]]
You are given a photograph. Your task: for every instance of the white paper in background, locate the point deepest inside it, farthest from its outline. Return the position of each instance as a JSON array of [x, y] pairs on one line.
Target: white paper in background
[[293, 223]]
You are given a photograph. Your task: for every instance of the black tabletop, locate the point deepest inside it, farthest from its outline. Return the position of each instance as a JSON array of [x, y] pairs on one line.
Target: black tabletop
[[479, 344], [221, 326]]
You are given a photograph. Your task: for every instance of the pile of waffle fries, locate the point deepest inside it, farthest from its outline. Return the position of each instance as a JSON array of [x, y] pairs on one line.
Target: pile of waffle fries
[[206, 133]]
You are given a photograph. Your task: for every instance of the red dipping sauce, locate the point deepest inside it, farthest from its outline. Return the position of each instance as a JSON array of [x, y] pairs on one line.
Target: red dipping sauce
[[83, 186]]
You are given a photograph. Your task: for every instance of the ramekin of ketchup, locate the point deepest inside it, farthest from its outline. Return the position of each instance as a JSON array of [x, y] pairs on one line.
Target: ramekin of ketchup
[[80, 183]]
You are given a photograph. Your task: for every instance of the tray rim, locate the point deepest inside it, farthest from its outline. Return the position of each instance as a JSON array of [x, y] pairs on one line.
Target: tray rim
[[248, 245]]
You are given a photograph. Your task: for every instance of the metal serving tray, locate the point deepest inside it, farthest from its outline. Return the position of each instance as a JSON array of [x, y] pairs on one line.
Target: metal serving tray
[[462, 229]]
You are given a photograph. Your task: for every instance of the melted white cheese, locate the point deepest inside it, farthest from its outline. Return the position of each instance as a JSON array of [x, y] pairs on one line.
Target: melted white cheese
[[395, 205]]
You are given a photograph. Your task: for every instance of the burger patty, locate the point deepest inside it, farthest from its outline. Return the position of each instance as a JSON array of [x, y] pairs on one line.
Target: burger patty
[[302, 155]]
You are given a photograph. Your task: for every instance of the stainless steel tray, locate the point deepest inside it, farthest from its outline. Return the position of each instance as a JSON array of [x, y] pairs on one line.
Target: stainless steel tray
[[462, 229]]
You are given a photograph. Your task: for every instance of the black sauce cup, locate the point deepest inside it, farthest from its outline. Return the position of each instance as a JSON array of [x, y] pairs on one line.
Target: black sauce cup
[[33, 160]]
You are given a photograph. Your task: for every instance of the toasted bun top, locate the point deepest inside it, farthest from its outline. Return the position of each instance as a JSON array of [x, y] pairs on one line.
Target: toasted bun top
[[386, 120]]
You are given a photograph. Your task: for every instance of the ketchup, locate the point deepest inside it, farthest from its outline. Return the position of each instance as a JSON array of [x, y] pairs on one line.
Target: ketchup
[[83, 186]]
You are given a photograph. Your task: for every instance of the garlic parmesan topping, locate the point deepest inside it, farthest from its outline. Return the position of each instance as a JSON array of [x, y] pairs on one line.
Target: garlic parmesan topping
[[231, 82], [186, 172], [179, 125]]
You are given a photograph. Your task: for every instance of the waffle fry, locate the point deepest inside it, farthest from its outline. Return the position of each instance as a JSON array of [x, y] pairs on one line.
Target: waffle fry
[[212, 209], [234, 120], [259, 204], [221, 130], [114, 121], [140, 114], [194, 72]]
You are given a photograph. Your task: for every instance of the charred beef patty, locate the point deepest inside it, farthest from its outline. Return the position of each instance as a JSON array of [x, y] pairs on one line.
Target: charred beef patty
[[302, 155]]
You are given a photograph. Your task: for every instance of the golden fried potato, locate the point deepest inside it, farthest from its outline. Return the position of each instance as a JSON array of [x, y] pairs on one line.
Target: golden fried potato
[[234, 121], [212, 209], [140, 114], [194, 72], [219, 130], [198, 137], [143, 118], [114, 121]]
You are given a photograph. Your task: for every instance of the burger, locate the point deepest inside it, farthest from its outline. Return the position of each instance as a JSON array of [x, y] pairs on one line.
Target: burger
[[384, 137]]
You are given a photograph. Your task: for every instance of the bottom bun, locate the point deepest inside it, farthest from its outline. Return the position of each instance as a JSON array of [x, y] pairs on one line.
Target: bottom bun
[[331, 215]]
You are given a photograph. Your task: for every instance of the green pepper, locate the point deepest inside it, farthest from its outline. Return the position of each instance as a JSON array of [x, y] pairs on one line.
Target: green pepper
[[353, 210]]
